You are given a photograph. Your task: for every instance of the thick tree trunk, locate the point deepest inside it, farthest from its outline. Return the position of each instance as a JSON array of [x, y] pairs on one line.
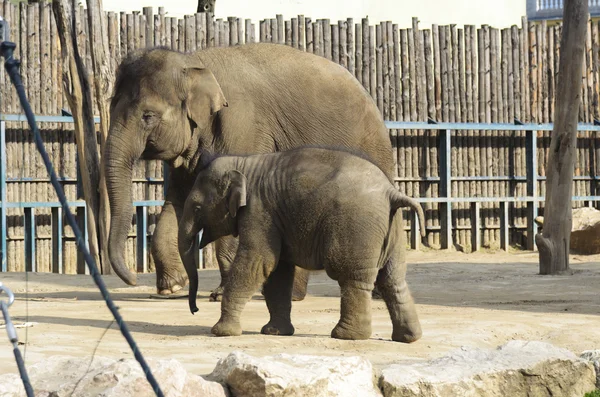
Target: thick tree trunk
[[77, 88], [553, 243], [103, 85], [206, 6]]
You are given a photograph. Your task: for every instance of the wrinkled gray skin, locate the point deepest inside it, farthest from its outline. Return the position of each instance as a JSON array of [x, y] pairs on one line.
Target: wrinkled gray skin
[[255, 98], [313, 207]]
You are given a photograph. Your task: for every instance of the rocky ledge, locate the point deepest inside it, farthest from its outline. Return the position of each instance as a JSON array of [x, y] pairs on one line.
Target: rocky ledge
[[517, 368]]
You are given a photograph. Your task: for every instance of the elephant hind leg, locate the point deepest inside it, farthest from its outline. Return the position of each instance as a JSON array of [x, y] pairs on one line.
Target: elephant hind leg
[[355, 315], [399, 301], [278, 295]]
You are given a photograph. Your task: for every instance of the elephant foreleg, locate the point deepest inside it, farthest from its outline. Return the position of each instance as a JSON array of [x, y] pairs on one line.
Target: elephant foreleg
[[170, 273], [278, 295]]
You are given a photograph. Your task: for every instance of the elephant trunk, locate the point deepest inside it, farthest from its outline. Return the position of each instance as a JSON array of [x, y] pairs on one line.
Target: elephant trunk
[[119, 159], [188, 229]]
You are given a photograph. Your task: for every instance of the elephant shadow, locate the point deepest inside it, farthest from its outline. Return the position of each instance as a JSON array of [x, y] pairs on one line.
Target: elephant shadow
[[133, 326]]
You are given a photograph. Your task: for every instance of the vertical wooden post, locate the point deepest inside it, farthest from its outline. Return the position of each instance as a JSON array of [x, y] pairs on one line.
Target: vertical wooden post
[[3, 188], [30, 265], [554, 242]]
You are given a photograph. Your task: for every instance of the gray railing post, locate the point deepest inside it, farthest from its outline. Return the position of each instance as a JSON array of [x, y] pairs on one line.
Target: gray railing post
[[532, 182], [141, 213], [29, 214], [57, 240], [3, 187], [445, 171], [504, 217], [81, 215], [475, 226]]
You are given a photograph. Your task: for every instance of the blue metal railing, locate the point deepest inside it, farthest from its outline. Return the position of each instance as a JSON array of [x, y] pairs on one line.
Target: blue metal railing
[[444, 199], [553, 9]]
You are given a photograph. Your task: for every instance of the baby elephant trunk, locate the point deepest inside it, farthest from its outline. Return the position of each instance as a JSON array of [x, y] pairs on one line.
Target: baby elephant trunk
[[398, 200]]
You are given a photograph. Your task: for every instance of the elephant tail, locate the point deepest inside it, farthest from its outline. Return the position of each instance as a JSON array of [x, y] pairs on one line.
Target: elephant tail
[[398, 200]]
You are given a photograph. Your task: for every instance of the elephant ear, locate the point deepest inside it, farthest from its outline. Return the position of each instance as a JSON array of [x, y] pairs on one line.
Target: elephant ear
[[204, 97], [236, 193]]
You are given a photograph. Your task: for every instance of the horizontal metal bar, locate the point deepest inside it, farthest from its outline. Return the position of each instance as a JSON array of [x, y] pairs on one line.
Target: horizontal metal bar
[[417, 125], [74, 180], [487, 178], [77, 204], [396, 125], [496, 199], [41, 119]]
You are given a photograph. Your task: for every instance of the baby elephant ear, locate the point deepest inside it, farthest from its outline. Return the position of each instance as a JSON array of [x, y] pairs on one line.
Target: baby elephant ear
[[237, 191]]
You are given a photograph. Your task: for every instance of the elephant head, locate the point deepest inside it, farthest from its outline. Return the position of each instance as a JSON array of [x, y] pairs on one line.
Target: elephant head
[[162, 102], [211, 207]]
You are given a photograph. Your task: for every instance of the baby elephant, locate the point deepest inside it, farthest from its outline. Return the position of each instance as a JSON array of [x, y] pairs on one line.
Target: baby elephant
[[312, 207]]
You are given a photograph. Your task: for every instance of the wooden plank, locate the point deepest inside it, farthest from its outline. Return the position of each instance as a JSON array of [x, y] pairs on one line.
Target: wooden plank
[[302, 36], [334, 35], [349, 54], [358, 53], [233, 35], [210, 30], [288, 34], [280, 27], [366, 52], [379, 69], [295, 33], [148, 14], [310, 37], [326, 33]]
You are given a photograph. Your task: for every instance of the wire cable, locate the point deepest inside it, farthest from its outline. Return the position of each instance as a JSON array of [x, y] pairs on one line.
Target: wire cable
[[12, 67]]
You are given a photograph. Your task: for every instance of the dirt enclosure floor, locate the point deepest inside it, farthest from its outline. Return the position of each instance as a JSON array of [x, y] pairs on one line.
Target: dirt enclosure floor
[[481, 300]]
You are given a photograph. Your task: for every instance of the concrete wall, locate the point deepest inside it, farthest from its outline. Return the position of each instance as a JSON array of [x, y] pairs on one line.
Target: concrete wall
[[497, 13]]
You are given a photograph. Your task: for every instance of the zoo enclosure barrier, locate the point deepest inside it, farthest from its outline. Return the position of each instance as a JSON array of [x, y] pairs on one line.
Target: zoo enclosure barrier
[[445, 199], [446, 73]]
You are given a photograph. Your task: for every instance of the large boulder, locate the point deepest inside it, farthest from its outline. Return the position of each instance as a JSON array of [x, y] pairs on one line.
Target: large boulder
[[60, 376], [296, 375], [585, 232], [516, 369], [594, 357]]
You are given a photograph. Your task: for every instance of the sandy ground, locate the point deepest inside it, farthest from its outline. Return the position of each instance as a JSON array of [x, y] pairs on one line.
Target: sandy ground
[[481, 299]]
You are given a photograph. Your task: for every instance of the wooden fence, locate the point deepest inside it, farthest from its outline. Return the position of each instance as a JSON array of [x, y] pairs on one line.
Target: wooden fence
[[444, 73]]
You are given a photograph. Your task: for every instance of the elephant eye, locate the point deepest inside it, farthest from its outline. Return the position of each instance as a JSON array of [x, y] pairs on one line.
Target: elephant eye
[[205, 7], [149, 118]]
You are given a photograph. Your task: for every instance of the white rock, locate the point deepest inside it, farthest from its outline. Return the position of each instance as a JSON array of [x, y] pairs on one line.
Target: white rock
[[60, 376], [594, 357], [518, 368], [295, 376]]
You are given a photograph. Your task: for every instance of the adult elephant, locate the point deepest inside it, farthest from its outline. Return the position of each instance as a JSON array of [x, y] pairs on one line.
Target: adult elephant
[[255, 98]]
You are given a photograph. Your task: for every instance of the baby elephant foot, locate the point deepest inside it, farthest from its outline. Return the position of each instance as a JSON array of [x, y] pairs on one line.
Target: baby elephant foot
[[280, 327], [227, 328], [216, 295], [343, 331], [408, 334]]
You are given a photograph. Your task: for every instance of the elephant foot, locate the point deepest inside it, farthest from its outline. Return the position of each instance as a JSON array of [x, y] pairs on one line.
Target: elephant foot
[[280, 327], [216, 295], [408, 334], [170, 283], [343, 331], [226, 328]]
